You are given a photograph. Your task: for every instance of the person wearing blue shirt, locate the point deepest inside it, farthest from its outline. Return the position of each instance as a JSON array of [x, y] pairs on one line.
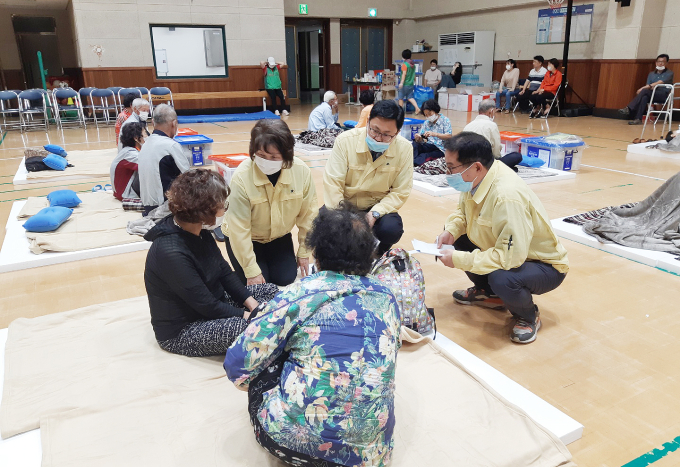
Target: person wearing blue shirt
[[429, 143], [638, 106], [325, 115]]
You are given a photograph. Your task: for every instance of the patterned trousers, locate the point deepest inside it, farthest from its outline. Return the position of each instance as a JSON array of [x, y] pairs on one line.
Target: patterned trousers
[[213, 337]]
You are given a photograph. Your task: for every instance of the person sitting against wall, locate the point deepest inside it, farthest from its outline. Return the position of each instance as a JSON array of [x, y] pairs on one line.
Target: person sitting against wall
[[325, 347], [429, 143], [140, 114], [372, 168], [407, 81], [453, 78], [325, 115], [508, 85], [271, 193], [502, 236], [532, 83], [124, 114], [198, 306], [367, 98], [161, 159], [484, 125], [433, 76], [272, 84], [124, 176], [544, 95], [638, 106]]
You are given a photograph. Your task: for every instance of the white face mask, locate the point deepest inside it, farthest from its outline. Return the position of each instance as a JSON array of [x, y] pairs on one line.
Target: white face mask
[[551, 68], [143, 116], [508, 67], [433, 118], [268, 167], [218, 223], [661, 68], [433, 68]]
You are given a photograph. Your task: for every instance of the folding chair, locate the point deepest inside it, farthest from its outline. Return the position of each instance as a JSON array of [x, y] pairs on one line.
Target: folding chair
[[666, 108], [161, 92], [145, 92], [68, 114], [555, 102], [124, 91], [105, 107], [85, 99], [115, 90], [7, 110], [33, 110]]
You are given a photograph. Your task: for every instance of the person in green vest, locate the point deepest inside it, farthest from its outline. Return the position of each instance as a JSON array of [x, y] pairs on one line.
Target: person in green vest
[[272, 84], [407, 82]]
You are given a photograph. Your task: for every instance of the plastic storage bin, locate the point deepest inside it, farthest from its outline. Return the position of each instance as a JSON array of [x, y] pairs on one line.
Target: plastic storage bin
[[186, 132], [226, 164], [559, 151], [197, 148], [510, 141], [411, 128]]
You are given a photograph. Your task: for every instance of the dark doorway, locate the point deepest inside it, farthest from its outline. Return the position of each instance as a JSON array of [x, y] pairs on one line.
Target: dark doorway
[[37, 34]]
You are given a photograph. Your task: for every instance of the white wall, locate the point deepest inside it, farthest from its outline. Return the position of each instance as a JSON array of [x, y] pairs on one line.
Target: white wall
[[390, 9], [185, 51], [515, 32], [9, 51], [254, 30]]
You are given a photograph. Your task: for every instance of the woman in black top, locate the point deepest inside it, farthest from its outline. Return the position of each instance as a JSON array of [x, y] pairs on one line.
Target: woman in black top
[[198, 305], [454, 77]]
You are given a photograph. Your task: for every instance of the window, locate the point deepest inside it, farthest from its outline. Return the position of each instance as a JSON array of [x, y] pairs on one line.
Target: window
[[183, 51]]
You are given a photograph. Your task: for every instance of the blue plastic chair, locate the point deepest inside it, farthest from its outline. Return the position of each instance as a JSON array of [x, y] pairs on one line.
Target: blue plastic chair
[[7, 110], [77, 106], [160, 92], [33, 111], [104, 106]]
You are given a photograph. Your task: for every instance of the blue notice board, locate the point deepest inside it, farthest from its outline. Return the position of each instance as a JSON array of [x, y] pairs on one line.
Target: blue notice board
[[552, 24]]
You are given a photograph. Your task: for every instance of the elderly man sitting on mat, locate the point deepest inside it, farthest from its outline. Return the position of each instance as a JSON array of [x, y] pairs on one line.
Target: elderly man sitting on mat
[[502, 236]]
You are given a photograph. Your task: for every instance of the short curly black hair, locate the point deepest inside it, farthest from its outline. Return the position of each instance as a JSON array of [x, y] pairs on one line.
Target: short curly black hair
[[131, 133], [432, 105], [342, 240], [367, 97], [196, 196], [128, 98]]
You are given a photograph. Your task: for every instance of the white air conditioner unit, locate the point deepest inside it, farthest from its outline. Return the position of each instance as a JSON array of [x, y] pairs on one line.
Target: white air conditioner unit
[[473, 49]]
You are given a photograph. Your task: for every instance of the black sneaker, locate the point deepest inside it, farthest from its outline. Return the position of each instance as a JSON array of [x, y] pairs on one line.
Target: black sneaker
[[625, 111], [472, 296], [524, 332], [217, 233], [635, 122]]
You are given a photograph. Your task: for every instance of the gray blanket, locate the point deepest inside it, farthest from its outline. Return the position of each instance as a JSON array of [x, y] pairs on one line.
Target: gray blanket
[[650, 225]]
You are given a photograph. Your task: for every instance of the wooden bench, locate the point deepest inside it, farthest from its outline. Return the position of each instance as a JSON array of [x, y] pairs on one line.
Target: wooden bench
[[180, 96]]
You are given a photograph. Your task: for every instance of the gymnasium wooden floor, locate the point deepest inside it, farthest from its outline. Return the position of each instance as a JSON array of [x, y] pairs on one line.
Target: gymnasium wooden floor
[[607, 354]]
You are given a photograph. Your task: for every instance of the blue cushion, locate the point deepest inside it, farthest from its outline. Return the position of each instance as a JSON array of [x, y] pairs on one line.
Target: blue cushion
[[350, 123], [55, 162], [531, 162], [65, 198], [48, 219], [54, 149]]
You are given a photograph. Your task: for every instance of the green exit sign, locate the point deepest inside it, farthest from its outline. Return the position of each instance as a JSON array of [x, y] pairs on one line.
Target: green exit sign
[[372, 12], [303, 8]]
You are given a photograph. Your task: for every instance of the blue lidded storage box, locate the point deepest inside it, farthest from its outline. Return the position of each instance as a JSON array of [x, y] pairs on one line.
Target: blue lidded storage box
[[197, 148], [411, 128], [559, 151]]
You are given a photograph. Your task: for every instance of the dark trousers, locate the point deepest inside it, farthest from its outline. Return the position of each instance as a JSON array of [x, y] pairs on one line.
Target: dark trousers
[[638, 106], [523, 99], [511, 159], [276, 260], [515, 286], [422, 152], [273, 94], [265, 381], [542, 99]]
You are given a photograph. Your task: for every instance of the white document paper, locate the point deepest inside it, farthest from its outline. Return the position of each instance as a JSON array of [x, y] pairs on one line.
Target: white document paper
[[429, 248]]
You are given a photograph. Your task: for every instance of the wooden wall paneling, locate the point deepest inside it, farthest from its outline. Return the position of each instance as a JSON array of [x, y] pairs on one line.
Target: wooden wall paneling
[[14, 79], [241, 78], [335, 78]]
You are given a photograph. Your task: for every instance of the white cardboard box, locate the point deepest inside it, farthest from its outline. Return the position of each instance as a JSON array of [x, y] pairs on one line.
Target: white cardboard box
[[443, 99]]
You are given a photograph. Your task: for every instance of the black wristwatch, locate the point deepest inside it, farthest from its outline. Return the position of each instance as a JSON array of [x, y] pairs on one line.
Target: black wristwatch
[[375, 214]]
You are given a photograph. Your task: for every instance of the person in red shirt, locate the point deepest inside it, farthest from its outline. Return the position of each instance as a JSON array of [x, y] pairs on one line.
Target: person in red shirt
[[125, 114], [124, 177], [544, 95]]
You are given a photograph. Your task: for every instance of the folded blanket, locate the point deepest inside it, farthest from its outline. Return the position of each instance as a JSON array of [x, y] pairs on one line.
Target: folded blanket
[[95, 163], [99, 201], [106, 394], [324, 138], [652, 224]]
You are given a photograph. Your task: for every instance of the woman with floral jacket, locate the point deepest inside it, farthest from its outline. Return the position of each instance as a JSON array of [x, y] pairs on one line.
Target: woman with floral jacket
[[319, 361]]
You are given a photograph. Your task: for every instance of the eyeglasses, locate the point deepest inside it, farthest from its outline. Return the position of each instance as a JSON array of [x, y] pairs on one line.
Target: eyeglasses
[[375, 134], [449, 170]]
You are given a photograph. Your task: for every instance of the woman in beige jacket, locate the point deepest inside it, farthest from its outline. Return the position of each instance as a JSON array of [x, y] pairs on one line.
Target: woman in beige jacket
[[508, 86]]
